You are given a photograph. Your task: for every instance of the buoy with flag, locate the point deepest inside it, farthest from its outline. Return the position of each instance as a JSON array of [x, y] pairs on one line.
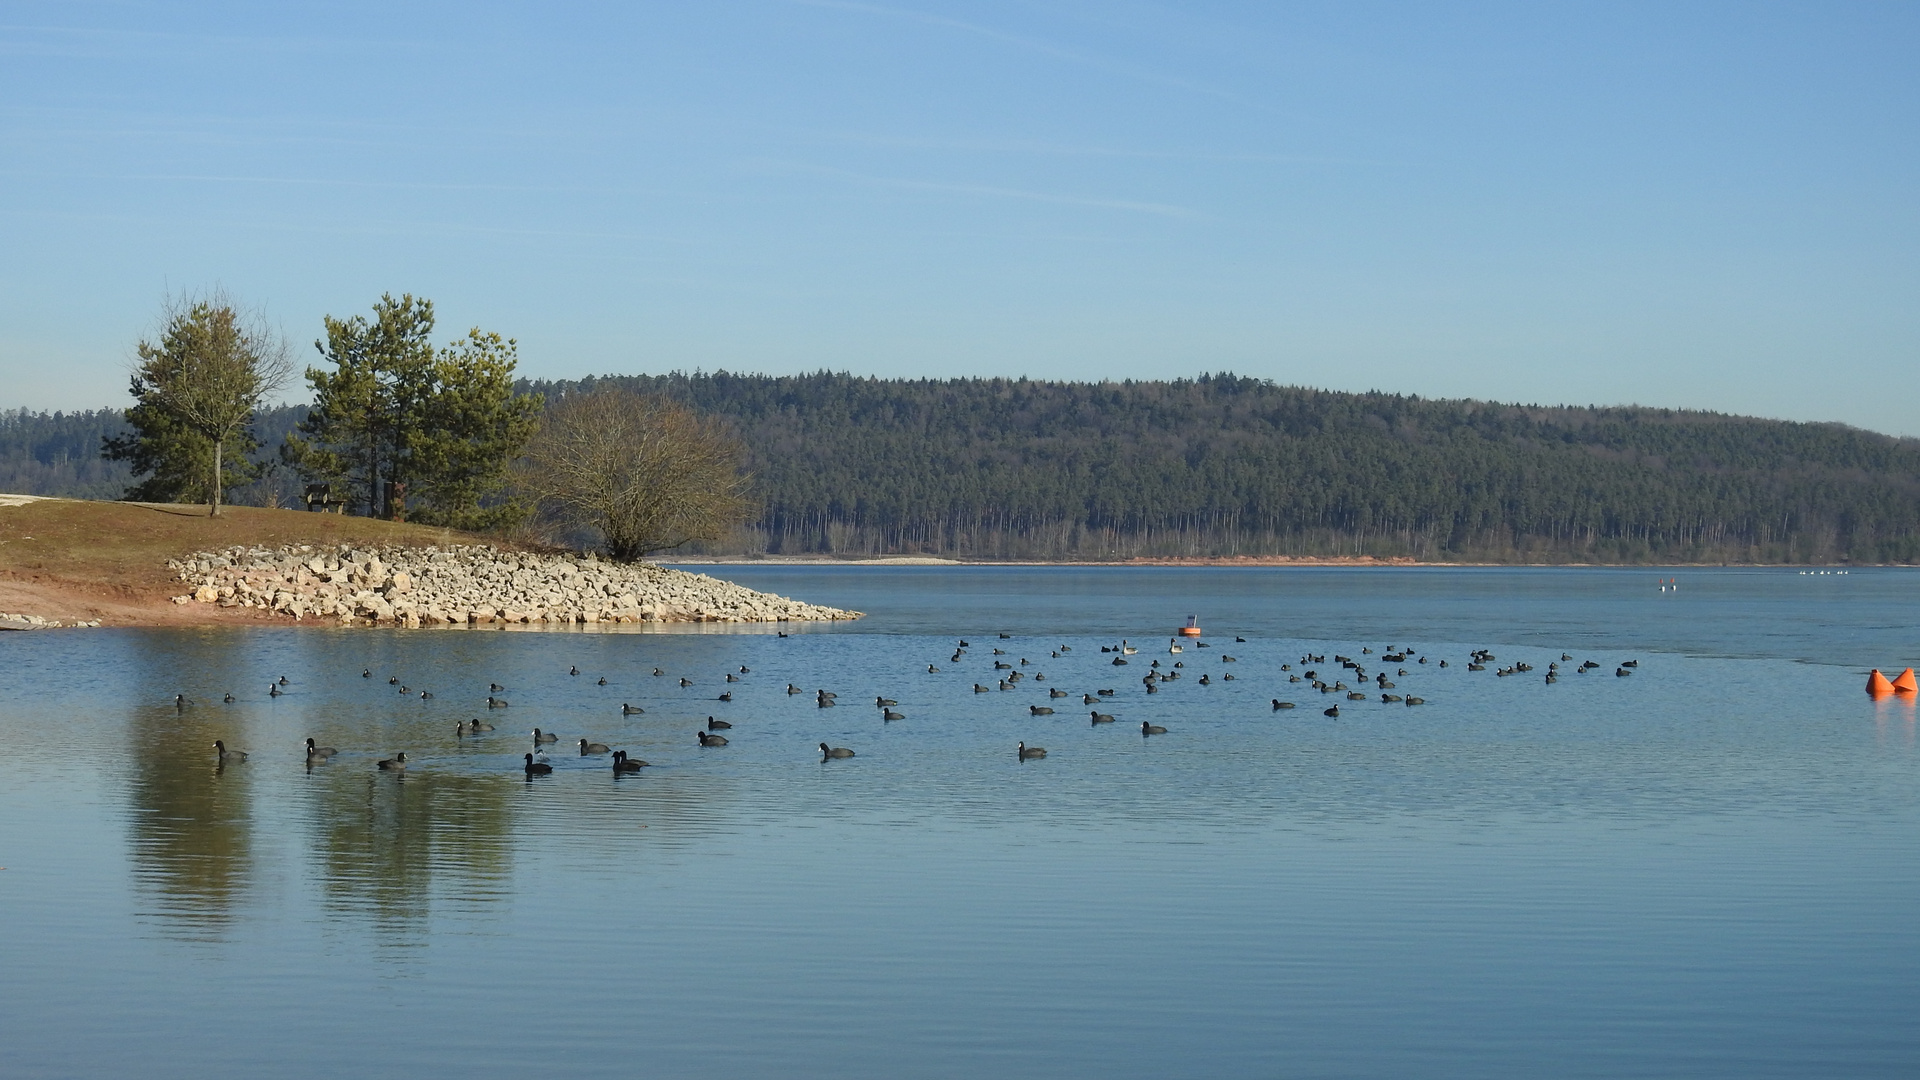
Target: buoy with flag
[[1192, 629]]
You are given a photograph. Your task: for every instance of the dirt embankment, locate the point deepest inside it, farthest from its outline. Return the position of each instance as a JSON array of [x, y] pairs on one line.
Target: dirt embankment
[[73, 560]]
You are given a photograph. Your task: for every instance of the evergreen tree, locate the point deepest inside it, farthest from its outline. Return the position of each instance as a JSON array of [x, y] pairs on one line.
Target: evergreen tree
[[196, 389], [400, 424]]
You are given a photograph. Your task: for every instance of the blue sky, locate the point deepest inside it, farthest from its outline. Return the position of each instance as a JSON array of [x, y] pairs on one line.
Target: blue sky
[[1689, 205]]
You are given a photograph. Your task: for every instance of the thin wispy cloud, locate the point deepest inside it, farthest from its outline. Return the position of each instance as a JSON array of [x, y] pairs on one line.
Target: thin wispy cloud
[[990, 191], [1053, 149], [1029, 44]]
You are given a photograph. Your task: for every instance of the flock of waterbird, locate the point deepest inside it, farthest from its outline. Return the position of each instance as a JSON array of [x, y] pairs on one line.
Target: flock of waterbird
[[1007, 674]]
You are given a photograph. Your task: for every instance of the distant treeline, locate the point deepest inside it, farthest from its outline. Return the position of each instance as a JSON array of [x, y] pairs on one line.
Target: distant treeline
[[999, 468], [58, 453]]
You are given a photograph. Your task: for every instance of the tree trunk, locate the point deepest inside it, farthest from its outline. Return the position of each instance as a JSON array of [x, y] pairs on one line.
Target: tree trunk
[[214, 509]]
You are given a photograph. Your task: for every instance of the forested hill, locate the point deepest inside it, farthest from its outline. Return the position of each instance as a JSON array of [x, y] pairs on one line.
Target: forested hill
[[1225, 465], [1222, 466]]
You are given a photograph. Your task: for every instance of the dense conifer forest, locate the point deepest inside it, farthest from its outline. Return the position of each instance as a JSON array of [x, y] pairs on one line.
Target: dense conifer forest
[[998, 468]]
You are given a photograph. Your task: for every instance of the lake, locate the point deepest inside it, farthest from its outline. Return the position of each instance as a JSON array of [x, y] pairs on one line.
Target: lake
[[1708, 867]]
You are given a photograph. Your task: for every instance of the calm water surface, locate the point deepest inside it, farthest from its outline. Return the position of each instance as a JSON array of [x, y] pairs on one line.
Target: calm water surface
[[1710, 868]]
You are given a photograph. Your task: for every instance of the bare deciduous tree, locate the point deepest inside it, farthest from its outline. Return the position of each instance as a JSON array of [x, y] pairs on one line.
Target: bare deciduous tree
[[211, 368], [648, 474]]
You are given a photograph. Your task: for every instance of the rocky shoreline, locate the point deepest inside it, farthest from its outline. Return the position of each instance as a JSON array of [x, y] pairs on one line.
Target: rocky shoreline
[[472, 585]]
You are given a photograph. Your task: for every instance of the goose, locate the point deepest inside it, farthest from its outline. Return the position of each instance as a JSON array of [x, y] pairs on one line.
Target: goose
[[1278, 704], [497, 703], [711, 740], [226, 756], [834, 752], [533, 768], [1102, 718], [890, 715], [717, 725], [630, 710], [624, 764], [1027, 753], [398, 763], [544, 737], [592, 748], [1151, 729], [319, 751]]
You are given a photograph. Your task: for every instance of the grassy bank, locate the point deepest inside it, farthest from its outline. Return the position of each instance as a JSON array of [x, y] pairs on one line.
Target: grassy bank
[[69, 558]]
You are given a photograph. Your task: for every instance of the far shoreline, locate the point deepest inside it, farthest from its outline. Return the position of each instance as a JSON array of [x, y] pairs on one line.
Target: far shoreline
[[1230, 561]]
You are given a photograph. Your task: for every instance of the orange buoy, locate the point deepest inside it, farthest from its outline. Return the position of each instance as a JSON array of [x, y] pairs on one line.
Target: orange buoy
[[1905, 684], [1877, 684], [1192, 629]]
